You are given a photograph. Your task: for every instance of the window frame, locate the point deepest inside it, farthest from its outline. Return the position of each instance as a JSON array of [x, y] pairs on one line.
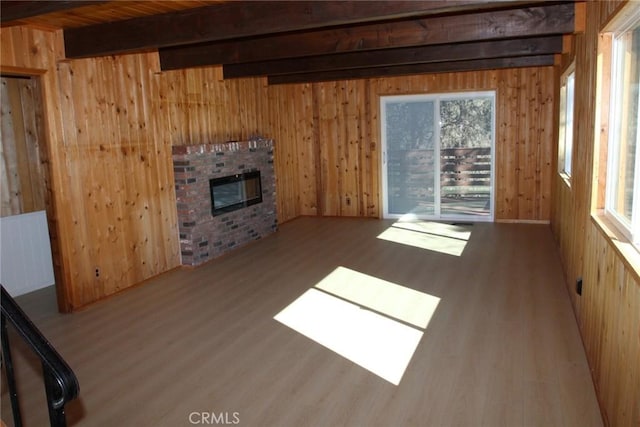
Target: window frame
[[629, 228], [566, 134], [437, 98]]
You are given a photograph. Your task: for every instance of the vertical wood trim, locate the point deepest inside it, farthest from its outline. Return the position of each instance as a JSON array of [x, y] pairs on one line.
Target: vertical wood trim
[[603, 96]]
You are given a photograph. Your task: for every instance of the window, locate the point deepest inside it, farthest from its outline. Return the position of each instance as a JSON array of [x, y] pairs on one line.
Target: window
[[622, 202], [565, 142]]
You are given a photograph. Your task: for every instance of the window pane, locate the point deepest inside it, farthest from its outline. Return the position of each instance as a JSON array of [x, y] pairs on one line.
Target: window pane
[[410, 157], [465, 157], [626, 125], [562, 126], [568, 143]]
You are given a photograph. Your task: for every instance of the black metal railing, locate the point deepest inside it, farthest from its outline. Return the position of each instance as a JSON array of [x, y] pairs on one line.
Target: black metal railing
[[60, 383]]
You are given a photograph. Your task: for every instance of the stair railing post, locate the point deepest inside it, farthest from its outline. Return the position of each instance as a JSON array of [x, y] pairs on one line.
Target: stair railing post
[[8, 368]]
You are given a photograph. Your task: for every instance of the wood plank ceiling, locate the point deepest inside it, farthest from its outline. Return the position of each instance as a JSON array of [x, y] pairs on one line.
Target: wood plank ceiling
[[305, 41]]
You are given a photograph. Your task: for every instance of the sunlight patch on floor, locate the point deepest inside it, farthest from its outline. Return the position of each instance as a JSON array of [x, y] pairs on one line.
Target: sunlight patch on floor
[[385, 297], [358, 321], [433, 236]]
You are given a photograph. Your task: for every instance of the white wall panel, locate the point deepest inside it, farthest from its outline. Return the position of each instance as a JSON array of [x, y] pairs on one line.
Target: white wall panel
[[25, 253]]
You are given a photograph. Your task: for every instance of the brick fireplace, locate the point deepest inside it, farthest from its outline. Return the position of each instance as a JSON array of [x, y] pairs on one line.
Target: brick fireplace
[[203, 235]]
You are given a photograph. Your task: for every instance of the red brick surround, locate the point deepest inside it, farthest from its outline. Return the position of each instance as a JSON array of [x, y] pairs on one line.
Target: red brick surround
[[203, 236]]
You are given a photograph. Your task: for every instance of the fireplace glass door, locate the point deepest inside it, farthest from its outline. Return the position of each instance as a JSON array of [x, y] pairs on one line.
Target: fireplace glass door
[[233, 192]]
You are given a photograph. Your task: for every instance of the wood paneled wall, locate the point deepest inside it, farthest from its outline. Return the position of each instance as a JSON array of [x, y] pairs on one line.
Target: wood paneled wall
[[110, 124], [608, 314], [328, 135], [329, 158], [123, 217], [35, 53], [113, 202], [111, 121], [608, 311], [199, 107], [24, 175]]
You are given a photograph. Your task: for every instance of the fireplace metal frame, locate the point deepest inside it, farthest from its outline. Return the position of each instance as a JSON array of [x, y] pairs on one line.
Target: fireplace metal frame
[[242, 179]]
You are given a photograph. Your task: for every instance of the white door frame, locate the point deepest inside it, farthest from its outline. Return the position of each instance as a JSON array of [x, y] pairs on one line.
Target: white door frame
[[384, 100]]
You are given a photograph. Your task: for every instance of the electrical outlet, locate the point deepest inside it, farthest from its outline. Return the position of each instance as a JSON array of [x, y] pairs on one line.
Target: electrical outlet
[[579, 286]]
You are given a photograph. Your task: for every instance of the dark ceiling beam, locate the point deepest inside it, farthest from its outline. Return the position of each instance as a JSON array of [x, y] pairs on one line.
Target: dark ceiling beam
[[239, 19], [403, 70], [545, 19], [401, 56], [16, 10]]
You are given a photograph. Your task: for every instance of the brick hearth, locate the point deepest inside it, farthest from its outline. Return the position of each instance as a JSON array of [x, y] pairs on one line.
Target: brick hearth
[[203, 236]]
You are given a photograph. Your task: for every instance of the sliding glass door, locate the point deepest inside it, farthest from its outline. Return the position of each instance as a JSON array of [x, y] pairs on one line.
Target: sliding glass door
[[437, 158]]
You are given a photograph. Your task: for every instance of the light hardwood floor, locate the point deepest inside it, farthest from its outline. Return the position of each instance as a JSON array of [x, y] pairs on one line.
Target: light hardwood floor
[[502, 348]]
